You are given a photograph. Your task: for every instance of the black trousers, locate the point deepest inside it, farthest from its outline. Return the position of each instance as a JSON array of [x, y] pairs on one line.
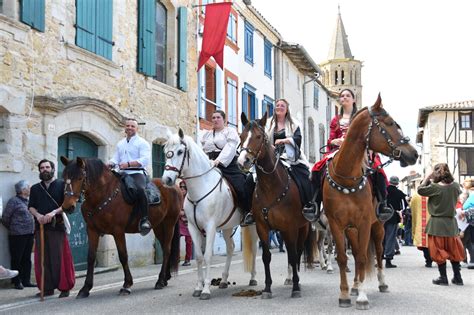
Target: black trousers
[[241, 183], [20, 252], [140, 181], [300, 174]]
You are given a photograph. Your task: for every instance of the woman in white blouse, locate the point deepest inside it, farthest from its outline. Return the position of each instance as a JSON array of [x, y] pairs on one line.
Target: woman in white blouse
[[220, 144]]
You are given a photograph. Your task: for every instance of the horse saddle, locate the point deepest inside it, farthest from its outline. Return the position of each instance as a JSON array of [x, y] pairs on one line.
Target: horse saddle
[[130, 191]]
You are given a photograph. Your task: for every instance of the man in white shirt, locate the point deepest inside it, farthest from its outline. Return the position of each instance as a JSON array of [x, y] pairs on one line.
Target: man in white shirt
[[132, 156]]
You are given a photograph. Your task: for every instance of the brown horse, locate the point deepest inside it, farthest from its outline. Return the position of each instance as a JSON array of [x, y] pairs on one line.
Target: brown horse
[[276, 203], [348, 199], [105, 212]]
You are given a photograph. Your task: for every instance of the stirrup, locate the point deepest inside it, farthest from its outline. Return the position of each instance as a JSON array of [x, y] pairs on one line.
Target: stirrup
[[144, 226], [248, 220], [384, 212], [309, 212]]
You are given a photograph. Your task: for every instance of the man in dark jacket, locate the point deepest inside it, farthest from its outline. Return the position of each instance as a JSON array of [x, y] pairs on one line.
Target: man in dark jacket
[[395, 198]]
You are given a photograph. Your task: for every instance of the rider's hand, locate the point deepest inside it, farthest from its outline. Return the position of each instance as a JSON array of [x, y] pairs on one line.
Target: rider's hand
[[281, 141], [216, 162], [337, 141]]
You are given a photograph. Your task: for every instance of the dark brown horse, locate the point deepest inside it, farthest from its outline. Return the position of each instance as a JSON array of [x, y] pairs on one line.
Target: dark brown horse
[[276, 203], [348, 198], [105, 212]]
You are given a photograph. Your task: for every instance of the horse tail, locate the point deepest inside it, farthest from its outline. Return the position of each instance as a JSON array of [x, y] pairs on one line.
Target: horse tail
[[310, 247], [174, 252], [249, 242], [369, 265]]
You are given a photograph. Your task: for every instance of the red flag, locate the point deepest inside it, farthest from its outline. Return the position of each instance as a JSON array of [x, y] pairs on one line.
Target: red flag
[[215, 32]]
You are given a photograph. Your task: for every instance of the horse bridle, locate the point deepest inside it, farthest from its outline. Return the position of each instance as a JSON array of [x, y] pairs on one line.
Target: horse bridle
[[170, 154], [255, 156], [68, 191]]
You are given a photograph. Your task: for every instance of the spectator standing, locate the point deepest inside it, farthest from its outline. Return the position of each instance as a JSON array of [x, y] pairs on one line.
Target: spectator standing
[[183, 228], [21, 226]]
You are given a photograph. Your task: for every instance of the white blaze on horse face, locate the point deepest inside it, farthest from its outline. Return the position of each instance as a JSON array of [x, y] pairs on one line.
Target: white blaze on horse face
[[243, 153]]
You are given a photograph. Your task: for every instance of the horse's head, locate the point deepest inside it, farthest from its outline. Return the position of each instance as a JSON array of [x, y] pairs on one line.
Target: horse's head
[[252, 141], [74, 175], [176, 151], [386, 136]]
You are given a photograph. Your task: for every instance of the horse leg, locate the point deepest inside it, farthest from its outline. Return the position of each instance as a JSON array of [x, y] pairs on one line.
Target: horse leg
[[165, 238], [254, 239], [377, 235], [197, 240], [291, 247], [229, 242], [210, 236], [330, 253], [344, 298], [359, 242], [123, 257], [263, 234], [93, 237], [352, 236], [322, 252], [288, 280]]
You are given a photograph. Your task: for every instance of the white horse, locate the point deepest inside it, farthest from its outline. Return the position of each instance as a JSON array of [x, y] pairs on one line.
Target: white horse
[[209, 207]]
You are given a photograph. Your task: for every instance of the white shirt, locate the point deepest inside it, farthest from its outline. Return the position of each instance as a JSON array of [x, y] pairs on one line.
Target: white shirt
[[225, 141], [135, 149]]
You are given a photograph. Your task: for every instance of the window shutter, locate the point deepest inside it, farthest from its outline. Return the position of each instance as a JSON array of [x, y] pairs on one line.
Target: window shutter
[[245, 97], [104, 22], [146, 37], [183, 48], [264, 107], [85, 24], [32, 13], [219, 87], [255, 107]]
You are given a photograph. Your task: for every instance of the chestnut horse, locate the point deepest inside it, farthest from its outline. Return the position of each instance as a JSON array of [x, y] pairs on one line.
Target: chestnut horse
[[276, 203], [348, 199], [105, 212]]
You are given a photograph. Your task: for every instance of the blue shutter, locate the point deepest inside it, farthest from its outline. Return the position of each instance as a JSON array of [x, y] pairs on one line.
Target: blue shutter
[[104, 22], [183, 48], [146, 37], [245, 96], [32, 13], [254, 107], [264, 106], [248, 43], [85, 24]]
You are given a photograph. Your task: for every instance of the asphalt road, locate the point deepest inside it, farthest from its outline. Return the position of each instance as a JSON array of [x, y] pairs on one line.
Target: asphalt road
[[410, 292]]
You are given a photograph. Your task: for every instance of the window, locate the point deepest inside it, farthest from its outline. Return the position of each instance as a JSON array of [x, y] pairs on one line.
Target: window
[[249, 42], [267, 106], [298, 83], [465, 121], [249, 101], [342, 77], [465, 155], [316, 96], [351, 78], [94, 26], [267, 58], [311, 142], [287, 70], [210, 92], [1, 6], [232, 117], [322, 139], [160, 42], [336, 79], [31, 13], [232, 28]]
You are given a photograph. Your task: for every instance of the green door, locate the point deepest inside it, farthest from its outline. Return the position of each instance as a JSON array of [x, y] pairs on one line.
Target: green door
[[73, 145], [158, 164]]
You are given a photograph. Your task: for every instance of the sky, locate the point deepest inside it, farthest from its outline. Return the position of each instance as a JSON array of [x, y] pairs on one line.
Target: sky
[[416, 53]]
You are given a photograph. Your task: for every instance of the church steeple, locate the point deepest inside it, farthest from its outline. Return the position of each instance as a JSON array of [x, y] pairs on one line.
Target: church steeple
[[341, 70], [339, 48]]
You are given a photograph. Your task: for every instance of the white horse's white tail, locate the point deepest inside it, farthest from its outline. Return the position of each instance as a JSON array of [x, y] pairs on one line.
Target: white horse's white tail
[[249, 240]]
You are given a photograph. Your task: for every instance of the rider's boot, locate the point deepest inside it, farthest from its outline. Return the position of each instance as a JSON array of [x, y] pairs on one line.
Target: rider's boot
[[248, 219], [144, 226]]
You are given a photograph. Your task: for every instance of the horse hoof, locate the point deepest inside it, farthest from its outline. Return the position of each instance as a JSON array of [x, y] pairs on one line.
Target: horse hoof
[[383, 288], [345, 303], [362, 305], [296, 294], [348, 269], [205, 296], [354, 292], [252, 282], [266, 295], [324, 268], [82, 295], [330, 271], [223, 285], [159, 286], [197, 293], [125, 291], [288, 282]]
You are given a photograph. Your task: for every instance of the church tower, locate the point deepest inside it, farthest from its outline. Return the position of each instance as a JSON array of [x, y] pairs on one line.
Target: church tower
[[341, 70]]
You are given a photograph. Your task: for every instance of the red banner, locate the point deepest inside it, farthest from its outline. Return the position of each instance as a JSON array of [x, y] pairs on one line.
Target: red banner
[[215, 33]]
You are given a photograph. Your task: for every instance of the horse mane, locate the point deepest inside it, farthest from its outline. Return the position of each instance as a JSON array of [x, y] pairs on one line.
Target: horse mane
[[358, 112], [94, 167]]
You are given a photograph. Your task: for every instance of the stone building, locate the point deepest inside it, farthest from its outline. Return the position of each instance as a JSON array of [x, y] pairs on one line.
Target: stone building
[[70, 73], [342, 70], [446, 134]]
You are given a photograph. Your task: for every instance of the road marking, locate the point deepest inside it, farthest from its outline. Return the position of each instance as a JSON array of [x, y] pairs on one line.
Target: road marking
[[11, 306]]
